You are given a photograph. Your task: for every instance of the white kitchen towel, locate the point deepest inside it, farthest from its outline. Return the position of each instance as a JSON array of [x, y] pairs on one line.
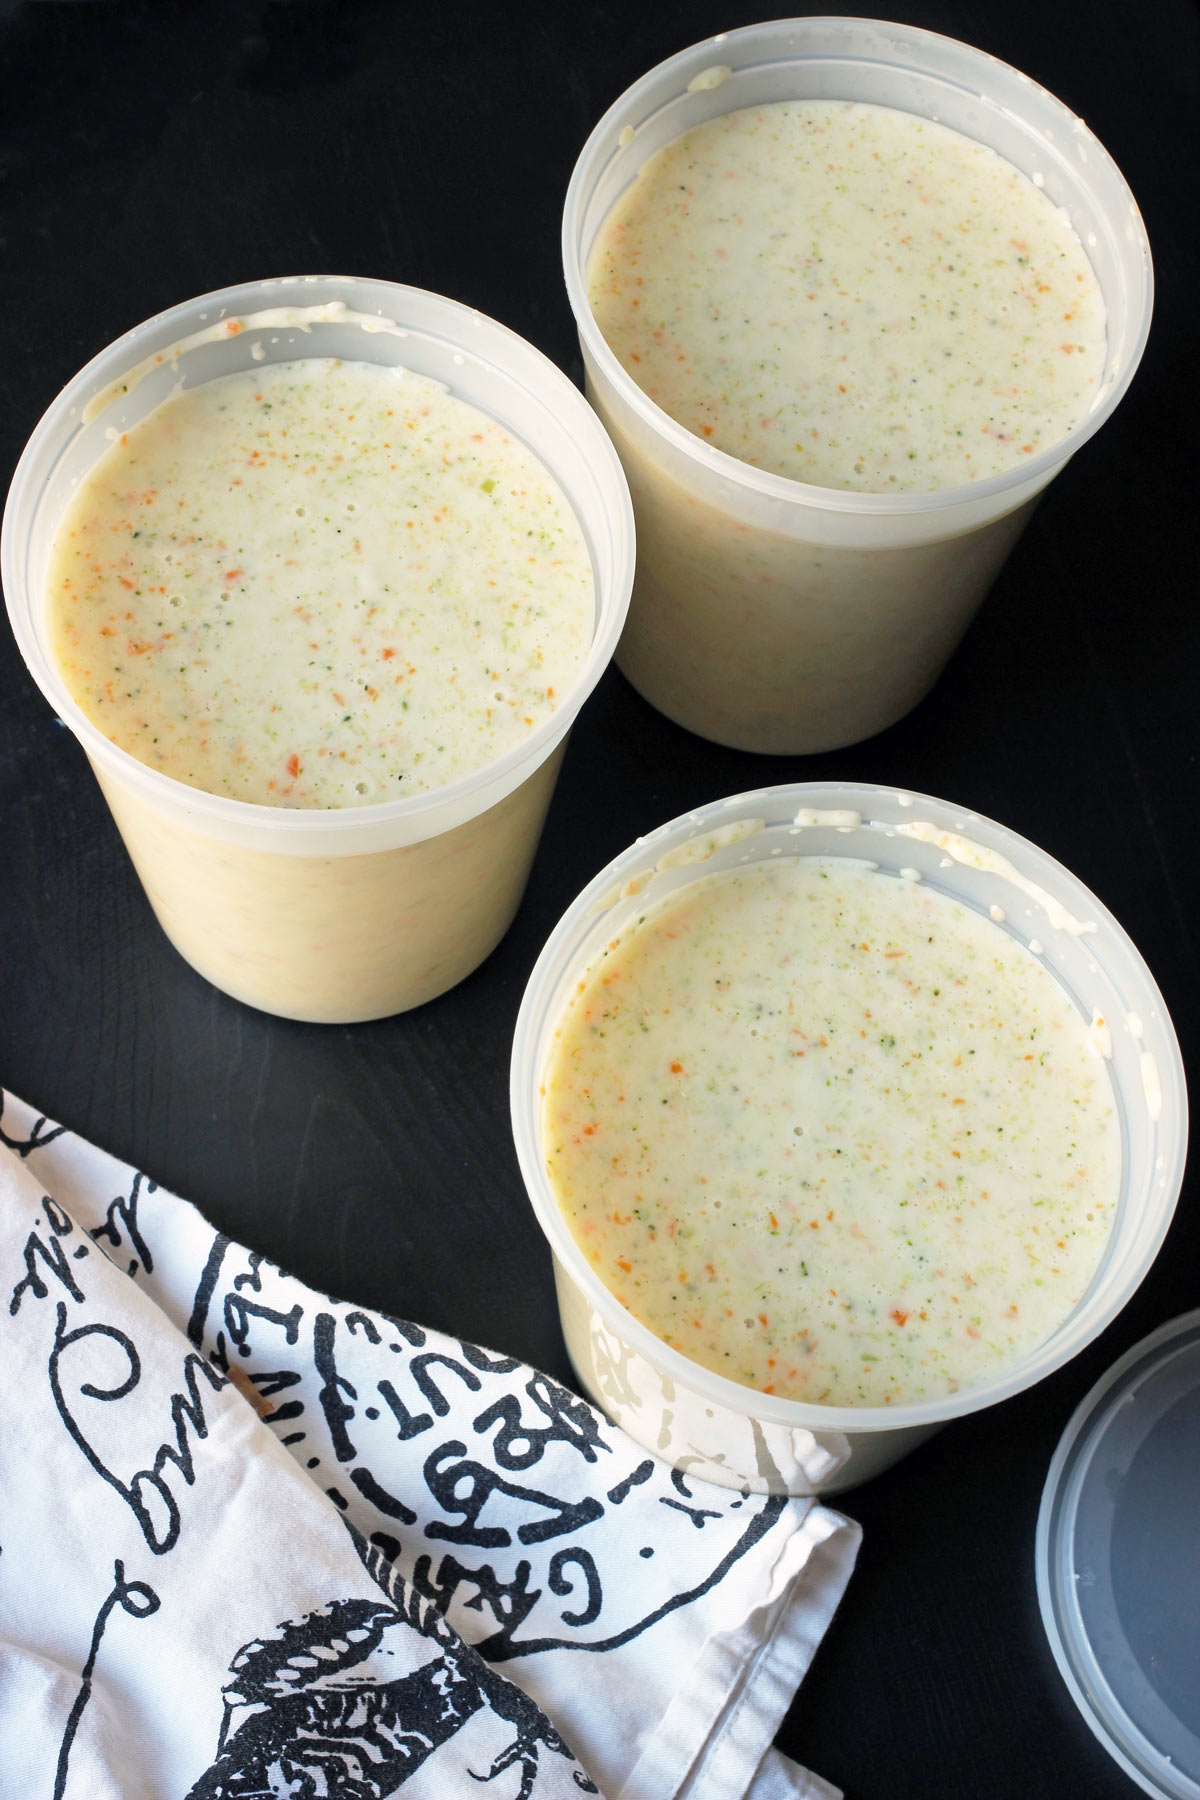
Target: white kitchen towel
[[256, 1541]]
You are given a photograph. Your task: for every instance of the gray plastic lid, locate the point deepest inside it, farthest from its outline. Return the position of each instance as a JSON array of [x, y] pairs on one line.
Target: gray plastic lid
[[1118, 1560]]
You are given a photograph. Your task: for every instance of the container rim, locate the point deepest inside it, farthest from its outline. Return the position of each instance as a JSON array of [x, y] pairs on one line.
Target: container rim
[[533, 1016], [641, 102], [485, 340]]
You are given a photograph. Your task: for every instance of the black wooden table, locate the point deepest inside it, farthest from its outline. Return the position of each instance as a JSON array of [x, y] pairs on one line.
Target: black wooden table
[[158, 150]]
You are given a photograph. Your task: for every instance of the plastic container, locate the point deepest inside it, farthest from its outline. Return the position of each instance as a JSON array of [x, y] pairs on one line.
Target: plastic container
[[1118, 1560], [778, 617], [327, 915], [720, 1430]]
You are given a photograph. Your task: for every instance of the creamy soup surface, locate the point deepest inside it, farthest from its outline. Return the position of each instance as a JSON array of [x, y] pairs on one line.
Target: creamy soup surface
[[319, 584], [832, 1134], [851, 296]]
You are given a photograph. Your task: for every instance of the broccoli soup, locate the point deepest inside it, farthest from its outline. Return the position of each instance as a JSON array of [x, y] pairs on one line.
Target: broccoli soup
[[832, 1134]]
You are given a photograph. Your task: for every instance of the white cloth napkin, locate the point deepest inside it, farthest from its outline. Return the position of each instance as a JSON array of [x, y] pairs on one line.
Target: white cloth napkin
[[256, 1541]]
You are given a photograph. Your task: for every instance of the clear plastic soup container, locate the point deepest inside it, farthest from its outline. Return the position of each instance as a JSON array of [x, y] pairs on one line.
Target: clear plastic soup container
[[784, 618], [326, 915], [716, 1428]]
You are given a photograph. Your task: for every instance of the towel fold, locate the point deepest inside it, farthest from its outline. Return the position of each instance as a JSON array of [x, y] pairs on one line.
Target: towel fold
[[258, 1541]]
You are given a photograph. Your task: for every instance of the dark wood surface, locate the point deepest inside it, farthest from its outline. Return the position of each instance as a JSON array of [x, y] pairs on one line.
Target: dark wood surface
[[154, 151]]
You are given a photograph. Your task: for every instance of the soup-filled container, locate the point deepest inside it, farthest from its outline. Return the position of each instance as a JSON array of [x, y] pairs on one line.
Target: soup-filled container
[[815, 355], [845, 1112], [413, 517]]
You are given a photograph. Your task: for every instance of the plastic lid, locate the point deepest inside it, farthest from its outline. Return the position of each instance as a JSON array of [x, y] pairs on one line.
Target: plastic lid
[[1118, 1560]]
